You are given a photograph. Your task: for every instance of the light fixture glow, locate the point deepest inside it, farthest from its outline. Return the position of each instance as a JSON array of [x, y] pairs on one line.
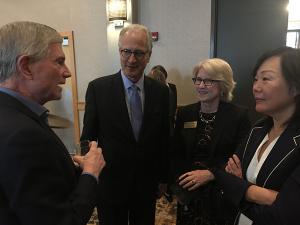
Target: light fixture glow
[[117, 10]]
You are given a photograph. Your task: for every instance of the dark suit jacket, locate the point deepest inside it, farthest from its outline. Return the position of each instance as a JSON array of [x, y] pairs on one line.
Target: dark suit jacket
[[131, 167], [280, 172], [38, 181], [231, 126]]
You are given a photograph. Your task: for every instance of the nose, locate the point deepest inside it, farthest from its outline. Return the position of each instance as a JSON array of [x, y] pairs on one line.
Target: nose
[[201, 84], [132, 58], [256, 86], [67, 72]]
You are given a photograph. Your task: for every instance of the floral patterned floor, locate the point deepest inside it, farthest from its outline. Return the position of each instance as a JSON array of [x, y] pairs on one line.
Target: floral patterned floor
[[165, 213]]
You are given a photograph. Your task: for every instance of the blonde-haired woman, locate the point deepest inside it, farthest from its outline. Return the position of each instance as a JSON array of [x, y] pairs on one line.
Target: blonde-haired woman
[[206, 134]]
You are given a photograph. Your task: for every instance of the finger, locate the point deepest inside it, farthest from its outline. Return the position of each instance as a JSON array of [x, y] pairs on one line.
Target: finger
[[100, 150], [189, 184], [195, 186], [236, 160], [185, 181], [227, 164], [232, 164], [93, 145], [78, 159], [230, 167], [227, 168], [183, 176]]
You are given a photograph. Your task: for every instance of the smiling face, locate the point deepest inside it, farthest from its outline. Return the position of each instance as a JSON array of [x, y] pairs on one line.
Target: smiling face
[[272, 94], [207, 94], [48, 74], [132, 66]]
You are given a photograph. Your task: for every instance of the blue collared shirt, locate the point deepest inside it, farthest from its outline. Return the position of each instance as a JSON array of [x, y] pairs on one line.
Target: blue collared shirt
[[127, 84], [32, 105]]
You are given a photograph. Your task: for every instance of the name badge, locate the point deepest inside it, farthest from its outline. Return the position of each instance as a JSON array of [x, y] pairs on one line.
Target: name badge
[[192, 124]]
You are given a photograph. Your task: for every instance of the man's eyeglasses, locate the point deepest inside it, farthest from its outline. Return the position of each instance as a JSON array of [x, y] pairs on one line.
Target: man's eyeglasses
[[126, 53], [206, 82]]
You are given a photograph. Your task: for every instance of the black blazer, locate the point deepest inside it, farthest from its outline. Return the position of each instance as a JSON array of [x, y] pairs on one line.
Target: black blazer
[[280, 172], [38, 180], [231, 126], [131, 167]]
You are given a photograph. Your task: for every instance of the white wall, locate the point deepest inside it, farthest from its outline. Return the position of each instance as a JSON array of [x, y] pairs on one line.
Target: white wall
[[87, 18], [183, 26], [184, 38]]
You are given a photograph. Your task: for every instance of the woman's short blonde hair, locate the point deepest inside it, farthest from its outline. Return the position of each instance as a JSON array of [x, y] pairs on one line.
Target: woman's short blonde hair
[[220, 70]]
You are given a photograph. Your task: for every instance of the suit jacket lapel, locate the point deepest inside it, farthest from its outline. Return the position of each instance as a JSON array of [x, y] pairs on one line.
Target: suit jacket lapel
[[256, 136], [286, 144], [193, 116], [17, 105], [218, 127], [148, 105], [118, 101], [14, 103]]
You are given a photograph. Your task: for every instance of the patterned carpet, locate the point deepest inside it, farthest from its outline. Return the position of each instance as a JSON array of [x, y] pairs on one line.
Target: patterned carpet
[[165, 213]]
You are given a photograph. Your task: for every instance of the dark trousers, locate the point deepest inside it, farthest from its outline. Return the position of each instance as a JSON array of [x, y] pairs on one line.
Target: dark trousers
[[137, 212]]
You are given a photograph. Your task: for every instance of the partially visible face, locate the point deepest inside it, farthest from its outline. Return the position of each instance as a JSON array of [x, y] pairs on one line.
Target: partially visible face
[[48, 75], [207, 94], [271, 92], [132, 66]]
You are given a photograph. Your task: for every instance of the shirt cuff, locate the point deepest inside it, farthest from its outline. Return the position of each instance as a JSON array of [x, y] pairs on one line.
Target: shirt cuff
[[87, 173]]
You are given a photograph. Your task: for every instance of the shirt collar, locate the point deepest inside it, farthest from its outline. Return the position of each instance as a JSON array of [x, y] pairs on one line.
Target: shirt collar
[[32, 105], [128, 83]]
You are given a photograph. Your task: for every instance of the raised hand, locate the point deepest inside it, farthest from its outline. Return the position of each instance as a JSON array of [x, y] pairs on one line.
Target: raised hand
[[234, 166]]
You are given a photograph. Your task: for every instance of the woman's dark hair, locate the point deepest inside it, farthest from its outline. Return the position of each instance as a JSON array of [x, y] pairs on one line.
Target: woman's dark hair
[[290, 68]]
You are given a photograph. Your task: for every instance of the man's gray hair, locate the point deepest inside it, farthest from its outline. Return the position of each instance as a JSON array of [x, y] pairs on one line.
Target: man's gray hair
[[24, 38], [137, 27]]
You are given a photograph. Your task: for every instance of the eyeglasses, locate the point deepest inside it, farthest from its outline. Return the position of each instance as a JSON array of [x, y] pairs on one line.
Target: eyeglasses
[[126, 53], [206, 82]]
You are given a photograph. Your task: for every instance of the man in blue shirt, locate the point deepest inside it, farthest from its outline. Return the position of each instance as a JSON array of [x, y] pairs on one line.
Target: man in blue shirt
[[127, 113]]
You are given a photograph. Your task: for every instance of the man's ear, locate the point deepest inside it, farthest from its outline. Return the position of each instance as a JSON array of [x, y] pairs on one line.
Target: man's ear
[[149, 55], [23, 67]]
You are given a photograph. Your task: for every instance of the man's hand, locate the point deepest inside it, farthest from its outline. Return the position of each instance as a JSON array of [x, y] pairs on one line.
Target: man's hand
[[92, 162]]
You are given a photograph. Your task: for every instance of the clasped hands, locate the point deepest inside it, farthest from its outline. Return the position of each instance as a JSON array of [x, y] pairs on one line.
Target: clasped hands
[[194, 179]]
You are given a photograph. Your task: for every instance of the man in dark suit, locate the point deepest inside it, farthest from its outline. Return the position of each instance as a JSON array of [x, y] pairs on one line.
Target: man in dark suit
[[136, 155], [39, 183]]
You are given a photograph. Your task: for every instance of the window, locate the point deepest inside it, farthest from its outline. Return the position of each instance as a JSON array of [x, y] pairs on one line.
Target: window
[[292, 38], [293, 33]]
